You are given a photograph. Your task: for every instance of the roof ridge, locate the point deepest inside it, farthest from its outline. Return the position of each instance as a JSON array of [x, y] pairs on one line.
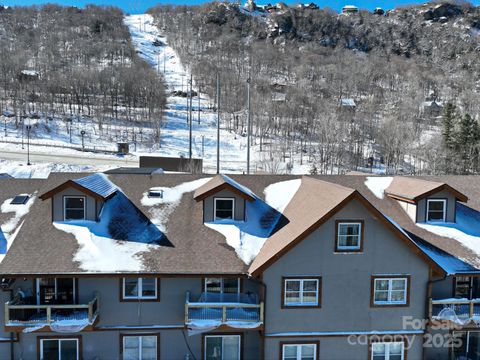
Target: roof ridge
[[310, 178]]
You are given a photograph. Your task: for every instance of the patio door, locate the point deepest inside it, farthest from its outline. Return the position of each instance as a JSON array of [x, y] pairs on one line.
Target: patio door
[[469, 345], [56, 291], [466, 287]]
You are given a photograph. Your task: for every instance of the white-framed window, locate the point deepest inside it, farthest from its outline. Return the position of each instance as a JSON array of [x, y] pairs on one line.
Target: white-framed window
[[349, 236], [436, 209], [388, 351], [222, 347], [59, 349], [301, 292], [224, 208], [228, 285], [74, 208], [390, 291], [140, 288], [140, 347], [299, 352]]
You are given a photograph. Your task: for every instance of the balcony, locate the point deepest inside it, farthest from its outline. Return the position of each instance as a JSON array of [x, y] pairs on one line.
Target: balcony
[[239, 311], [460, 311], [23, 315]]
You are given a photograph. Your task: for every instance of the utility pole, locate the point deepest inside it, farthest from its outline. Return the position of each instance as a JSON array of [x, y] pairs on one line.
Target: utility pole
[[198, 95], [218, 124], [248, 125], [190, 115], [164, 59], [29, 127]]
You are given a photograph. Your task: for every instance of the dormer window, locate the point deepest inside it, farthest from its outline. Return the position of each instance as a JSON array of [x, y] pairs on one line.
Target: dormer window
[[74, 208], [436, 209], [224, 208]]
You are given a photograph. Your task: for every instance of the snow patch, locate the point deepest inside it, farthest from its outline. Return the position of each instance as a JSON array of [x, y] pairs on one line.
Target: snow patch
[[248, 237], [279, 195], [378, 184], [102, 254], [163, 207]]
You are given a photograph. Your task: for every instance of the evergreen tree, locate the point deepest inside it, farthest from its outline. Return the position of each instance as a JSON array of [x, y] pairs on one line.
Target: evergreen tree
[[448, 124]]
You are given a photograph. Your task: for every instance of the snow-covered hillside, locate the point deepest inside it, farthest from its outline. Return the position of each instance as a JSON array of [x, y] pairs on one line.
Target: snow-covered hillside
[[153, 47]]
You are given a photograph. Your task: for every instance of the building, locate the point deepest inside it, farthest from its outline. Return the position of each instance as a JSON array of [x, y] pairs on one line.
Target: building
[[176, 266], [350, 9]]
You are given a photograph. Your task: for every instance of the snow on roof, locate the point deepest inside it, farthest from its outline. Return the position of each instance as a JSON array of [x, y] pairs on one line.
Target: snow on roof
[[449, 263], [378, 184], [238, 186], [219, 182], [9, 229], [278, 195], [466, 230], [98, 183], [114, 243], [247, 237], [162, 207], [29, 72]]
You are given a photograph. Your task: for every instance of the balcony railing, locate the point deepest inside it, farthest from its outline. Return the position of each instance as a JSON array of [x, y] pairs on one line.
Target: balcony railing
[[20, 314], [224, 308], [463, 310]]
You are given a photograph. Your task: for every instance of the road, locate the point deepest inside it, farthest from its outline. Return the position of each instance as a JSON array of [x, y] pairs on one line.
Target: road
[[80, 159]]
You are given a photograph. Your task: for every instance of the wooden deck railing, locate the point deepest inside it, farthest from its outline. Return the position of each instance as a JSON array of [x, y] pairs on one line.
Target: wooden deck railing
[[463, 308], [30, 314], [223, 311]]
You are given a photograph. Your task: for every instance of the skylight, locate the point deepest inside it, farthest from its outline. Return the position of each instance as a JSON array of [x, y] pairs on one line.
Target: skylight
[[155, 194], [20, 200]]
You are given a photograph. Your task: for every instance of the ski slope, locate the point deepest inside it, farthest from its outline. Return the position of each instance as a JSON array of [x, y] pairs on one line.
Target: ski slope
[[175, 129]]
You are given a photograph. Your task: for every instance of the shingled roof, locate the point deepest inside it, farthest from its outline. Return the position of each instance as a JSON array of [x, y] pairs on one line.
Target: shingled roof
[[221, 182], [41, 249], [413, 189]]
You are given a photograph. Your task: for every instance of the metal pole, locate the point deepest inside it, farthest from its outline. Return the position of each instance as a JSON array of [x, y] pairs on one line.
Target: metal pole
[[190, 116], [28, 144], [248, 125], [218, 124], [198, 95]]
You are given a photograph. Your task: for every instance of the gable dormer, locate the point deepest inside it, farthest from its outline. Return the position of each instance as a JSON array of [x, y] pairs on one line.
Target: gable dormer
[[223, 199], [80, 199], [425, 201]]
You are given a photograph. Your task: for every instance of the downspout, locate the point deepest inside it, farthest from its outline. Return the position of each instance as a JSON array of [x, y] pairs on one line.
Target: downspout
[[429, 296], [12, 335], [262, 342]]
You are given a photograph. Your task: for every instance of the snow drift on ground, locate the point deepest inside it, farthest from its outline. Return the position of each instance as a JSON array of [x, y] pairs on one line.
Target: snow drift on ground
[[161, 208], [378, 184]]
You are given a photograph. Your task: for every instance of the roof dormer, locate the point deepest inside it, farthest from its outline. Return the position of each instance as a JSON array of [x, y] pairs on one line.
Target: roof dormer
[[425, 201], [80, 199], [223, 199]]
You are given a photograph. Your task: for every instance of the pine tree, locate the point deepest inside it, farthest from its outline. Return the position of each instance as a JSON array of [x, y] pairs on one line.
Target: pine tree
[[449, 115]]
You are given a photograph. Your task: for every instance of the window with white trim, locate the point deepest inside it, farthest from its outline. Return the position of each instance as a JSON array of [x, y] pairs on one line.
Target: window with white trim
[[390, 291], [59, 349], [301, 292], [224, 208], [228, 285], [436, 209], [388, 351], [73, 208], [349, 236], [222, 347], [299, 352], [142, 347], [140, 288]]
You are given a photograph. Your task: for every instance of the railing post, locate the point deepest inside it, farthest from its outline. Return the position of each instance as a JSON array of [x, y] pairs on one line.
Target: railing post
[[7, 313], [430, 309], [186, 313], [224, 314], [261, 311], [471, 309], [49, 315]]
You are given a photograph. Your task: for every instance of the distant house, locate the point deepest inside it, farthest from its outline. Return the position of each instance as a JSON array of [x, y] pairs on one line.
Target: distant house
[[28, 75], [350, 9], [348, 103], [379, 11], [432, 108]]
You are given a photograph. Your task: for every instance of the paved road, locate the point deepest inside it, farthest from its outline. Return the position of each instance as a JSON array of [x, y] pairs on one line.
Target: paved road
[[80, 159]]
